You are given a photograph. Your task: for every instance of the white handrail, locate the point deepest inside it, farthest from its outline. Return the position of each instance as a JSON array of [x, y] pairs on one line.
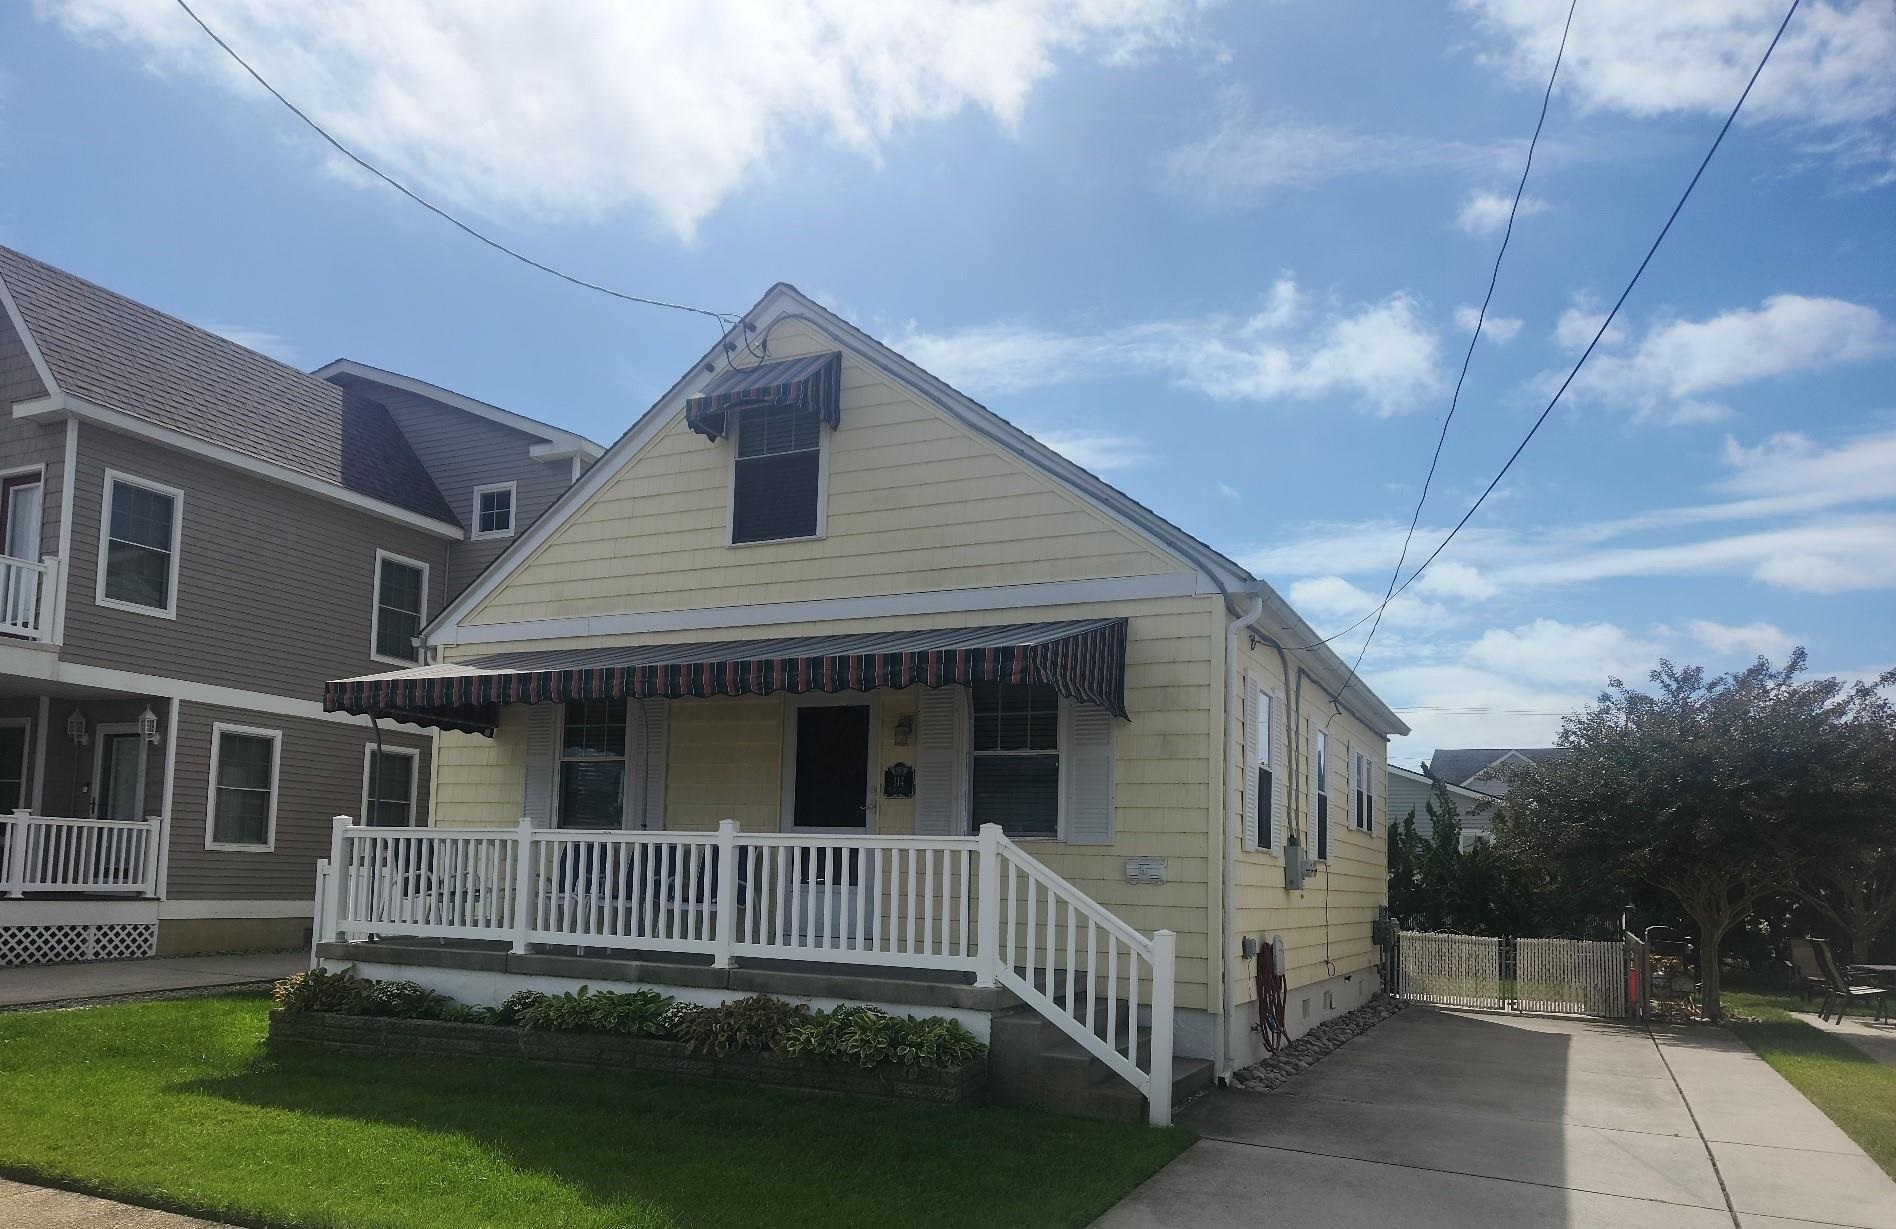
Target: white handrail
[[939, 903], [27, 589], [46, 853]]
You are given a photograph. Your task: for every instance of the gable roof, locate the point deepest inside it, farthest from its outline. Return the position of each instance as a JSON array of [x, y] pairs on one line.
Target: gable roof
[[1423, 779], [348, 373], [110, 351], [1461, 765], [785, 302]]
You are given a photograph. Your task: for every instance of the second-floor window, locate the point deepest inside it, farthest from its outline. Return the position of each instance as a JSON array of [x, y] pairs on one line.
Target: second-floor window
[[401, 607], [494, 511], [138, 559], [776, 486]]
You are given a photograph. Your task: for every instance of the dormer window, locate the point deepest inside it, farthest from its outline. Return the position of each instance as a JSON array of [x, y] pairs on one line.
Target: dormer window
[[494, 511], [777, 478]]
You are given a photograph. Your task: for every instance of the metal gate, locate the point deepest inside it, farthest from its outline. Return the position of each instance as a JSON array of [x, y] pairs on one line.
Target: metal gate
[[1555, 976]]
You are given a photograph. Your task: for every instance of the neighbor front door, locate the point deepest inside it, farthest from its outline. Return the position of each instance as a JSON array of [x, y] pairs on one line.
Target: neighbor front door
[[121, 779]]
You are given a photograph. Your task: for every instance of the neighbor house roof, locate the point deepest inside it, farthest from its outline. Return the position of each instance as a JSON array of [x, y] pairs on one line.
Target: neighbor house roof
[[110, 351], [1461, 765], [347, 372]]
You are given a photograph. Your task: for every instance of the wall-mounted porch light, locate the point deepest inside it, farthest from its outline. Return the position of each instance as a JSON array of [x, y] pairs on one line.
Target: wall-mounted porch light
[[76, 729], [904, 729], [148, 726]]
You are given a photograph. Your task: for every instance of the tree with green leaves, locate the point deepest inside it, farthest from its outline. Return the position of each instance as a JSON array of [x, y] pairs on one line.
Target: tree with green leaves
[[1719, 791]]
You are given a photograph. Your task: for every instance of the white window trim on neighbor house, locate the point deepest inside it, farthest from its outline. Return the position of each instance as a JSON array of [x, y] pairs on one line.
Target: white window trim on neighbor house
[[822, 488], [218, 730], [475, 532], [375, 608], [366, 814], [170, 609]]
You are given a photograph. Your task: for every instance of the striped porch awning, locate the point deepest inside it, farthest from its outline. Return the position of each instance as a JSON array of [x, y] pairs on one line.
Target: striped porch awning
[[1084, 660], [814, 382]]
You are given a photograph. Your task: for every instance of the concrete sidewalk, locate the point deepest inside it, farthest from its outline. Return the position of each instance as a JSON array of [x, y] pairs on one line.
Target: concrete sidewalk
[[33, 985], [1873, 1037], [38, 1207], [1451, 1119]]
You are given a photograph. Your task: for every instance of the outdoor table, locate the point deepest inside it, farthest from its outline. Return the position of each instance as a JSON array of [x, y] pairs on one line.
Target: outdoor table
[[1885, 973]]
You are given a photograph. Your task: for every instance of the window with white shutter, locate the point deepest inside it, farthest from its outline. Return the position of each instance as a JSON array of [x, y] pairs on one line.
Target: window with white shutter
[[938, 763], [1320, 786], [1263, 773]]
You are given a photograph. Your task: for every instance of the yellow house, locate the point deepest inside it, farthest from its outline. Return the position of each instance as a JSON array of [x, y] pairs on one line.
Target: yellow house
[[819, 613]]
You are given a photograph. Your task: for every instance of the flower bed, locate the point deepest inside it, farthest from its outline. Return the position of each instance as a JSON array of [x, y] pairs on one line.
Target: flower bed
[[760, 1039]]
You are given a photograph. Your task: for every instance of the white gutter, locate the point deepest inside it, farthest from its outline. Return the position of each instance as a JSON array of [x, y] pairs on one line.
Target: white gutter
[[1233, 837]]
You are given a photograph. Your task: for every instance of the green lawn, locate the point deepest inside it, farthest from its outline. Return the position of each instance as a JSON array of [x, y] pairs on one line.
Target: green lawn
[[173, 1104], [1856, 1091]]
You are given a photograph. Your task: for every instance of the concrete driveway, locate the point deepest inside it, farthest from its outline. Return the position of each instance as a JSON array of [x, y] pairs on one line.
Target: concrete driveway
[[1451, 1119]]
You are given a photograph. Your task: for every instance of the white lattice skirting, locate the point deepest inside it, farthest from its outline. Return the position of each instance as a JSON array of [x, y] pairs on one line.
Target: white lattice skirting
[[76, 943]]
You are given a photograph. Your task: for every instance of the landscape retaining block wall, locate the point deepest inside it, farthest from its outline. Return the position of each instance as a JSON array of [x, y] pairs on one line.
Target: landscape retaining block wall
[[963, 1085]]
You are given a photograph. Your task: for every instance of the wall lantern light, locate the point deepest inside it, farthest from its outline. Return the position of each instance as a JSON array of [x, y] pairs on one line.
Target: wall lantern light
[[148, 726], [76, 728]]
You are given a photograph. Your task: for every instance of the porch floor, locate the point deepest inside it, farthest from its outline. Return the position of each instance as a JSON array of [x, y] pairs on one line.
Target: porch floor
[[36, 985], [797, 978]]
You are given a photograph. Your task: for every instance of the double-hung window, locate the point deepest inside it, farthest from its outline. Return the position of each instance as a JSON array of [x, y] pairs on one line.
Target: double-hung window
[[1262, 775], [388, 786], [1015, 745], [494, 511], [1363, 797], [138, 558], [592, 764], [401, 607], [244, 765], [777, 477], [1319, 772]]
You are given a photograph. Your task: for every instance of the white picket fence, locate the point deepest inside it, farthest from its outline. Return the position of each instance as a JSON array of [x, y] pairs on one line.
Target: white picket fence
[[978, 905], [46, 853], [1551, 976]]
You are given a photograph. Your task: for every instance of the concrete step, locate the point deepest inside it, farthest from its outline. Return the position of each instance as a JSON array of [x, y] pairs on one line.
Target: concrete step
[[1032, 1063]]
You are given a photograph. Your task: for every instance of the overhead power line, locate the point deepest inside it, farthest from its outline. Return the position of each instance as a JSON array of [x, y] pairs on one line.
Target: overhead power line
[[724, 319], [1605, 324]]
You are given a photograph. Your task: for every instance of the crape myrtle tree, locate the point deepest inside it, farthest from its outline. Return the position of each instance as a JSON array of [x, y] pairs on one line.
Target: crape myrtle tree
[[1718, 791]]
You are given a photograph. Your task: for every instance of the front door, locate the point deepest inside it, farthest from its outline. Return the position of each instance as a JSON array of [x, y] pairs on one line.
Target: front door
[[830, 780], [120, 792], [20, 517]]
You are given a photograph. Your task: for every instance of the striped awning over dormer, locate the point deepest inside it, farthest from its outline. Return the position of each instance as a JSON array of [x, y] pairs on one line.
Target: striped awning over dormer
[[813, 382], [1082, 659]]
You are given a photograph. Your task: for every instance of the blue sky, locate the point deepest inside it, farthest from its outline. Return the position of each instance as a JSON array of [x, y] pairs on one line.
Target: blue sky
[[1220, 253]]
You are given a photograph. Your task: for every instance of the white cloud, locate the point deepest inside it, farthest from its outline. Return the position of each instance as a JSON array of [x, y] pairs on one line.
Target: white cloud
[[1751, 640], [1550, 652], [263, 340], [1246, 153], [1580, 322], [1382, 354], [1498, 329], [1665, 373], [1789, 472], [584, 108], [1486, 213], [1098, 451], [1334, 601]]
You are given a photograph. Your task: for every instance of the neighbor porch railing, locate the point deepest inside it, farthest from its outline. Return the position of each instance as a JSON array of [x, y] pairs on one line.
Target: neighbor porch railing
[[978, 905], [27, 593], [45, 853]]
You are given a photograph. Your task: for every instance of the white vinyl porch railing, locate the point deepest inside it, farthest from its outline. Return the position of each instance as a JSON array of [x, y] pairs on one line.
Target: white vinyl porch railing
[[27, 593], [979, 905], [44, 853]]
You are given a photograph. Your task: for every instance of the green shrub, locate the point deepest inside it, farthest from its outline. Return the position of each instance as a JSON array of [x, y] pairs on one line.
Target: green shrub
[[758, 1022], [401, 1000], [319, 990], [637, 1013], [870, 1037], [937, 1044], [469, 1013], [518, 1004]]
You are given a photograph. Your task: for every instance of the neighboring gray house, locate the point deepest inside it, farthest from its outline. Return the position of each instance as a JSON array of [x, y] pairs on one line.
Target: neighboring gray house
[[1485, 770], [193, 538], [1409, 792]]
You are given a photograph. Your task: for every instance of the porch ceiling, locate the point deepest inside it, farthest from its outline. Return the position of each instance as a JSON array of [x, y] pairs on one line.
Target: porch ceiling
[[1083, 659]]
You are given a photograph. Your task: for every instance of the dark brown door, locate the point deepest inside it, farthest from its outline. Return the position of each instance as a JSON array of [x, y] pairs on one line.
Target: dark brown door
[[832, 768]]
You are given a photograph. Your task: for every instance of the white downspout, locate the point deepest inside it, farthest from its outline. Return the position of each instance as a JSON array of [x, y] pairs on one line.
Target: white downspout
[[1233, 818]]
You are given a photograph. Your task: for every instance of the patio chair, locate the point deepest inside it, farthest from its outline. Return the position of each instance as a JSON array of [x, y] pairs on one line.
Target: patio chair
[[1840, 991], [1807, 972]]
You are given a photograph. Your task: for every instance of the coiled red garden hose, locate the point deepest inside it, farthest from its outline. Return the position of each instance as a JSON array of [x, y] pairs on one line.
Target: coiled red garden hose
[[1270, 1000]]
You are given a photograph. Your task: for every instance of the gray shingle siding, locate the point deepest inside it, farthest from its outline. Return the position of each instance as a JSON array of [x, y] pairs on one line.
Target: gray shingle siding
[[320, 777], [274, 585]]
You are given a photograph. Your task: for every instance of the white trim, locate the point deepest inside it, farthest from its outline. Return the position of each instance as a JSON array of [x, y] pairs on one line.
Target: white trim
[[822, 488], [163, 878], [938, 601], [375, 609], [39, 753], [787, 797], [96, 911], [27, 340], [564, 441], [183, 910], [99, 733], [119, 420], [68, 485], [26, 755], [474, 531], [414, 779], [170, 609], [218, 730]]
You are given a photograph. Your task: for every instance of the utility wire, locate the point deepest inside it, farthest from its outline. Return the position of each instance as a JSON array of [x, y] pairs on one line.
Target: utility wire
[[1481, 318], [1591, 345], [724, 319]]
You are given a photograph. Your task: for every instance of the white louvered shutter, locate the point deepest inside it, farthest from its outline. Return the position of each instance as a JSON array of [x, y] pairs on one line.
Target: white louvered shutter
[[1280, 771], [938, 769], [543, 763], [653, 718], [1086, 774], [1250, 800]]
